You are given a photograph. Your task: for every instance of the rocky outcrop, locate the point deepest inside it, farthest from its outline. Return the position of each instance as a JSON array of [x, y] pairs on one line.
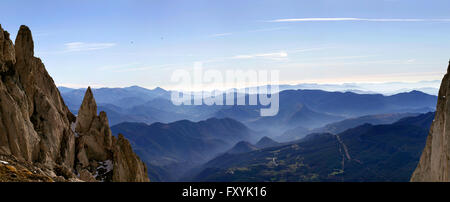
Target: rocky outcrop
[[94, 135], [127, 165], [34, 120], [36, 126], [434, 164], [98, 152]]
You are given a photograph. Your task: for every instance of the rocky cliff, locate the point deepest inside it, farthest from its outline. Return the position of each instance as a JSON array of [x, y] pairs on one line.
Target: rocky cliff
[[434, 164], [39, 133]]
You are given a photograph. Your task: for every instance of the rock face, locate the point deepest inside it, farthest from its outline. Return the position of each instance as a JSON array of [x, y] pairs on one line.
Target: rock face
[[37, 127], [434, 164], [34, 121]]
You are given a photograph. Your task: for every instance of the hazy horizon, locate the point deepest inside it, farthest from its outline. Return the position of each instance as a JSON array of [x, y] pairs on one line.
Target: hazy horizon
[[387, 88]]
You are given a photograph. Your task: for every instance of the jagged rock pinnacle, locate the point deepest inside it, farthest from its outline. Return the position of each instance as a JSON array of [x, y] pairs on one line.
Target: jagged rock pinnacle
[[7, 54], [87, 112], [24, 45]]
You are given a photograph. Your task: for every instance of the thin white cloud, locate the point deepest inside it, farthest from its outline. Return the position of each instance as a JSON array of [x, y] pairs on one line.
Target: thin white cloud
[[360, 19], [81, 46], [269, 29], [221, 34], [309, 49], [249, 31], [341, 57], [410, 61], [274, 55], [322, 63]]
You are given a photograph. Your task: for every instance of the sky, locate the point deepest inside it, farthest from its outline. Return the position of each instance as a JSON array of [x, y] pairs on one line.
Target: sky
[[106, 43]]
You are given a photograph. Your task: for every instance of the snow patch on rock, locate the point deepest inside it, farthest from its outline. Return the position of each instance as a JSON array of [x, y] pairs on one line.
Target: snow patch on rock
[[104, 168]]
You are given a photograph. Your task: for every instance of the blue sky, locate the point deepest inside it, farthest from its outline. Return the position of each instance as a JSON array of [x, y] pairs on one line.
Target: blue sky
[[131, 42]]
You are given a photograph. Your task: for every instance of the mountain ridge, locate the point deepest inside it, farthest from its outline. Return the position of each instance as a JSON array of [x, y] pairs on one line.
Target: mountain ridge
[[368, 152], [341, 126], [173, 148], [308, 109]]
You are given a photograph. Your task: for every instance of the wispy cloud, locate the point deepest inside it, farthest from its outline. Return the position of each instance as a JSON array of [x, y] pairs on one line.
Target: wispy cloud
[[410, 61], [360, 19], [221, 34], [310, 49], [269, 55], [268, 29], [249, 31], [341, 57], [81, 46], [322, 63], [274, 56]]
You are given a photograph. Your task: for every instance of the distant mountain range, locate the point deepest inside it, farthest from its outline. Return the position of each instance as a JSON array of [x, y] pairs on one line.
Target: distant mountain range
[[175, 147], [121, 97], [314, 108], [341, 126], [365, 153], [298, 108], [387, 88]]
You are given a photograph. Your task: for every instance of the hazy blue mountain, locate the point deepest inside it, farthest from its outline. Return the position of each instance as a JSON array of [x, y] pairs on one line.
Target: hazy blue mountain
[[387, 88], [177, 146], [245, 146], [63, 89], [340, 126], [365, 153], [190, 112], [422, 121], [265, 142], [118, 115], [291, 116], [242, 147], [122, 97], [301, 109], [309, 109], [352, 104]]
